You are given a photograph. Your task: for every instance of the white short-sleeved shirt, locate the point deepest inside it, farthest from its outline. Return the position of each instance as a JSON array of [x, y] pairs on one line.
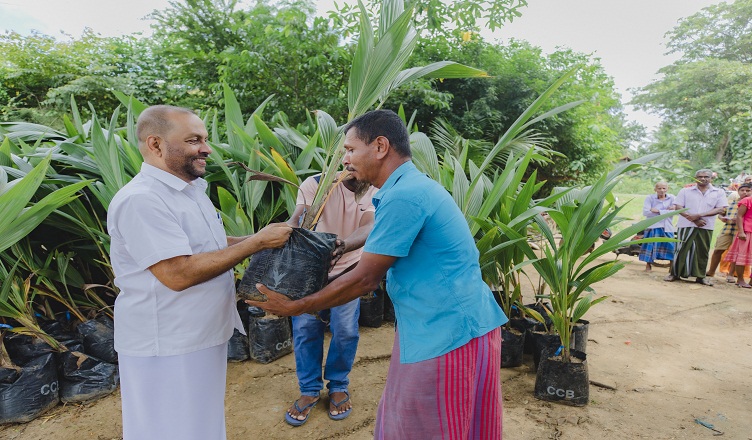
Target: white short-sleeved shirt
[[155, 217], [696, 202]]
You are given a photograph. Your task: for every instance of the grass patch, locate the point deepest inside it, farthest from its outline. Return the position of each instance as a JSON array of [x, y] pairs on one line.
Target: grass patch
[[631, 212]]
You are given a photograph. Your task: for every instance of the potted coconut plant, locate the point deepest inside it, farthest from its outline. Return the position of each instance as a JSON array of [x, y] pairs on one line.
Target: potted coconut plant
[[570, 269]]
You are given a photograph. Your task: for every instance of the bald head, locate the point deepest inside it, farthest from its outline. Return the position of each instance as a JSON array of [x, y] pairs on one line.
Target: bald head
[[156, 121]]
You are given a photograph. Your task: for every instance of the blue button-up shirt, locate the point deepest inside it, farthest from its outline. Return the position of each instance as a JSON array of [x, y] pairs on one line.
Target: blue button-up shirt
[[440, 300]]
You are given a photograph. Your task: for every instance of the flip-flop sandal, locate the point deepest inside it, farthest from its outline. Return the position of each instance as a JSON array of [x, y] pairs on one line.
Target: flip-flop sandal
[[730, 279], [342, 415], [296, 422], [744, 285], [704, 282]]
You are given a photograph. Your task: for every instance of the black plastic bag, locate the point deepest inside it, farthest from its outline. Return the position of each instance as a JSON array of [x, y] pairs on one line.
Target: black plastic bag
[[84, 378], [81, 377], [372, 309], [99, 337], [238, 347], [270, 338], [298, 269], [28, 393]]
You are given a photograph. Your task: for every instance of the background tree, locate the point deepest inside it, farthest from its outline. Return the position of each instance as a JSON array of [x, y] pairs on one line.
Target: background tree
[[590, 136], [440, 17], [705, 95], [270, 49], [39, 73]]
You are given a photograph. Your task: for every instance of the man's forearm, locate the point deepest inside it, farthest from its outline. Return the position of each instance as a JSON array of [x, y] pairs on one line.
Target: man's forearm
[[357, 239], [340, 291], [181, 272]]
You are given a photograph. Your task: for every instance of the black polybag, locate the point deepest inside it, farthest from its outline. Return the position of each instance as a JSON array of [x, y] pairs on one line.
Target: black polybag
[[270, 337], [30, 392], [84, 378], [99, 337], [81, 377], [238, 347], [298, 269], [372, 309]]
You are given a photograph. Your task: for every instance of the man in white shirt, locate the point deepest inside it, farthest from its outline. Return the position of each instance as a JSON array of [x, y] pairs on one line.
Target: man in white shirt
[[695, 227], [173, 265]]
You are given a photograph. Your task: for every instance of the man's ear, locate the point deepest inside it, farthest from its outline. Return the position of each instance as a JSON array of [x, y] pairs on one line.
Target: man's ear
[[154, 144], [382, 146]]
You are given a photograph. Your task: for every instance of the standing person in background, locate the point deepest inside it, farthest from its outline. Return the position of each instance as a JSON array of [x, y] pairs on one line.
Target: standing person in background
[[173, 265], [444, 372], [703, 202], [349, 214], [726, 237], [740, 251], [656, 204]]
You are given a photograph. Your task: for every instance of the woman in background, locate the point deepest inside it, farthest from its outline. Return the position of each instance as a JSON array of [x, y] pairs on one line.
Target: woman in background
[[740, 252], [656, 204]]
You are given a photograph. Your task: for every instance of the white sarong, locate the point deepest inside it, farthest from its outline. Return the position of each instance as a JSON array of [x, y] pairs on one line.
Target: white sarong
[[174, 397]]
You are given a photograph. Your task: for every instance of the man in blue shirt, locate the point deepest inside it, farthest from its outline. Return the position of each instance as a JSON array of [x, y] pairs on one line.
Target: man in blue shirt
[[444, 373]]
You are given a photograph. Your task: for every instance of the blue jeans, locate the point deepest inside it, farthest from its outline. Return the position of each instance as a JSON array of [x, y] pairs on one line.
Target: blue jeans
[[308, 341]]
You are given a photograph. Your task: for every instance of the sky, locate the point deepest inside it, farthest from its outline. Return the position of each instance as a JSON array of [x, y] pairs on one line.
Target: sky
[[627, 35]]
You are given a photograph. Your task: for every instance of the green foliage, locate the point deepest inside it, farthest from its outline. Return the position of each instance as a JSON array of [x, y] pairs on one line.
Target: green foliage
[[39, 71], [590, 137], [267, 49], [567, 265], [440, 18], [705, 95], [721, 31]]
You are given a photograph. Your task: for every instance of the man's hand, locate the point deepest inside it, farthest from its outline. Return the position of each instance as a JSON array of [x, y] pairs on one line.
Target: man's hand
[[338, 252], [276, 303], [693, 217], [273, 235], [700, 222]]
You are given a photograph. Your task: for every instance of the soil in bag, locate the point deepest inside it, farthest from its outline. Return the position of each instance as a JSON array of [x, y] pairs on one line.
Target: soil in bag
[[372, 309], [99, 338], [30, 391], [298, 269], [270, 337]]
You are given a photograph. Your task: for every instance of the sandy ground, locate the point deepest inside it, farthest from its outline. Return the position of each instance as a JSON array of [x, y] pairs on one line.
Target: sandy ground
[[675, 352]]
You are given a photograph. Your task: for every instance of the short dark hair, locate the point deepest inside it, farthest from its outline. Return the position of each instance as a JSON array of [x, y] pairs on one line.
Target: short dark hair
[[745, 185], [382, 123]]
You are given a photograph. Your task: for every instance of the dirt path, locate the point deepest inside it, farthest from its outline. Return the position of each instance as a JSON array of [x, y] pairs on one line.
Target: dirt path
[[675, 352]]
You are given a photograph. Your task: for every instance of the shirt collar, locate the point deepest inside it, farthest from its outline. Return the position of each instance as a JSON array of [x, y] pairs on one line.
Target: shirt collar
[[392, 180], [170, 179], [710, 187]]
